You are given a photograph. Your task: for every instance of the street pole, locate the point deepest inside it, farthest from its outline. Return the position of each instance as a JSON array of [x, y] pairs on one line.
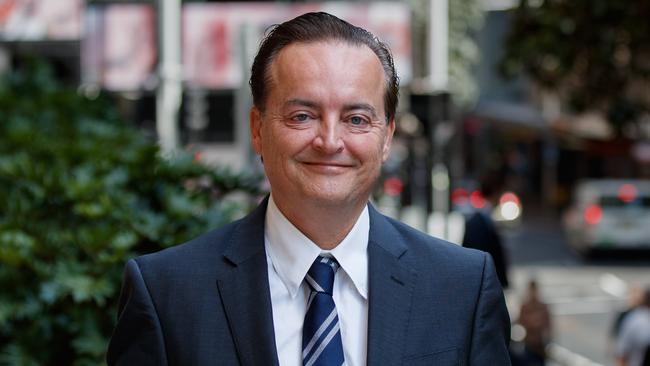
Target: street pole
[[438, 45], [169, 93], [440, 222], [243, 98]]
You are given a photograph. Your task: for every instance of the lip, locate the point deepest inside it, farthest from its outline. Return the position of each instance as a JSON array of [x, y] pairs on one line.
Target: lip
[[327, 167]]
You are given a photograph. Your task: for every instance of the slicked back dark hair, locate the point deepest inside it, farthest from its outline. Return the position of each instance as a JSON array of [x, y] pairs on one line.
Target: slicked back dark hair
[[315, 27]]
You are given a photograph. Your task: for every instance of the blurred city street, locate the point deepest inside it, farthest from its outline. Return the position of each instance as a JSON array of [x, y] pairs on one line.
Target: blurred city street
[[125, 128], [584, 295]]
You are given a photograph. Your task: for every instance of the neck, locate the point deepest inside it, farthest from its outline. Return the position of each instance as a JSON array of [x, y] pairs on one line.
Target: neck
[[326, 226]]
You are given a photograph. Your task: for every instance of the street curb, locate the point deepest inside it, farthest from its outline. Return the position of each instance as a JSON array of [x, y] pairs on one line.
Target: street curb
[[565, 357]]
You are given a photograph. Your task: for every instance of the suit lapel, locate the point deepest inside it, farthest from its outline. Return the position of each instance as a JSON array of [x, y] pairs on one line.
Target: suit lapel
[[390, 292], [244, 290]]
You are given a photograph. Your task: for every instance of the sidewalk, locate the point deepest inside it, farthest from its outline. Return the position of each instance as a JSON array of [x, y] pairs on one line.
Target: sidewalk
[[537, 249]]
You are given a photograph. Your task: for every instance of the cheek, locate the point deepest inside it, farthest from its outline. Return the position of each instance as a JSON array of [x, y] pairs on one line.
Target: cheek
[[290, 141], [369, 161], [272, 138], [369, 148], [280, 147]]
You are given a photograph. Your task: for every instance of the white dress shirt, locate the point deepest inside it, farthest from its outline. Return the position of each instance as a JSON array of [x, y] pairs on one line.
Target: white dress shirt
[[289, 255]]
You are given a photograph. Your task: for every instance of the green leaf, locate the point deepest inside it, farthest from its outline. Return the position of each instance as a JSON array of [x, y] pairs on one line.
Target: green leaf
[[90, 343], [82, 192], [14, 355], [15, 247]]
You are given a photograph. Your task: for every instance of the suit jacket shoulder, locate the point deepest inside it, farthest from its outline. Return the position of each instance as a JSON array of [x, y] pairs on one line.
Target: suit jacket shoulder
[[420, 248], [198, 302], [435, 302], [195, 257]]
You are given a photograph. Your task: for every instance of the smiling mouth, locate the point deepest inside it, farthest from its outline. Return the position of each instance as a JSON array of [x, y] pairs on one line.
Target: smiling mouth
[[327, 168], [327, 164]]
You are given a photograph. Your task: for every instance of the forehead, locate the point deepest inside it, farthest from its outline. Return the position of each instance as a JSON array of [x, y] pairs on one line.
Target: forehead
[[327, 65]]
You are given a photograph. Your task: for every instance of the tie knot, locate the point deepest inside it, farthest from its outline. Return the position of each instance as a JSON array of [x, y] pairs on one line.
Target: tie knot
[[320, 276]]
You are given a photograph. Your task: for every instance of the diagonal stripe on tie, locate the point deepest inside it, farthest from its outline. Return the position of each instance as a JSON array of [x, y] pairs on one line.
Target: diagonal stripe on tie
[[321, 340], [319, 333], [314, 284], [326, 342]]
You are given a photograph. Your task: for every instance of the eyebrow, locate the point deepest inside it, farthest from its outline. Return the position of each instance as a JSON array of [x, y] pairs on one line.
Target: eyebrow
[[363, 106], [300, 102], [348, 107]]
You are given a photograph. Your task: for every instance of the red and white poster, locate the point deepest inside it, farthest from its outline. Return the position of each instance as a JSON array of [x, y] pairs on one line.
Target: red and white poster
[[119, 49], [219, 39], [40, 20]]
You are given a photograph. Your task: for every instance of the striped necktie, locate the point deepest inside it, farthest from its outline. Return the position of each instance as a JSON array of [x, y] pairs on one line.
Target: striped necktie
[[321, 337]]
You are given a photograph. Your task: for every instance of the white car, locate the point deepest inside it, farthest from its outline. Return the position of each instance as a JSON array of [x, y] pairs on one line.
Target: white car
[[609, 214]]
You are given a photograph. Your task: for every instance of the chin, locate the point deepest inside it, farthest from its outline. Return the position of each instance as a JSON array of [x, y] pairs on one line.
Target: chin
[[337, 198]]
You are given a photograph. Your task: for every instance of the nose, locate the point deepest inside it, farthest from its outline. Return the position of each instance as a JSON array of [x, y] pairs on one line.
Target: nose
[[328, 139]]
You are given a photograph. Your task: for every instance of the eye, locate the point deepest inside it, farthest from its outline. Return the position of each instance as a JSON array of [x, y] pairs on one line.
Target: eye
[[300, 117], [357, 121]]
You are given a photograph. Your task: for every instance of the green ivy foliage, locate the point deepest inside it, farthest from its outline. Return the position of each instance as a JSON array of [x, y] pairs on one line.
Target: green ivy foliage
[[81, 192], [595, 54]]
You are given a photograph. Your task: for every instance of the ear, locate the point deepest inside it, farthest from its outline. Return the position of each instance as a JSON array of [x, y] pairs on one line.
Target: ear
[[255, 122], [390, 130]]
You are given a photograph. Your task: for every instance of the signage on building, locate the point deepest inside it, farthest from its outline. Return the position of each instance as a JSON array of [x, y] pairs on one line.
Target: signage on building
[[40, 20], [119, 47], [219, 39]]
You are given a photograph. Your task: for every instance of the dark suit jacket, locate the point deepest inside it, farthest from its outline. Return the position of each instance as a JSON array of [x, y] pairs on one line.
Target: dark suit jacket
[[207, 302], [481, 233]]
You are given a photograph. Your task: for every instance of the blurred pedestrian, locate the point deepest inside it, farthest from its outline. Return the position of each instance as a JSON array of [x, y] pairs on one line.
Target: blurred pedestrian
[[634, 335], [634, 300], [535, 318], [482, 233]]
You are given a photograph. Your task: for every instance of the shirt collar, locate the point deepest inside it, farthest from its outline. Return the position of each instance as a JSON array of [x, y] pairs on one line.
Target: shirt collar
[[292, 253]]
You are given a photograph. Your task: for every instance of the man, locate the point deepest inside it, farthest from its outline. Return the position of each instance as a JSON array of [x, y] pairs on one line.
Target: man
[[535, 318], [634, 336], [634, 300], [482, 233], [315, 276]]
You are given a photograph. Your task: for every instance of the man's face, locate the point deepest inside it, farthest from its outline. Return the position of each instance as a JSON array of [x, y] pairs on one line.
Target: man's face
[[323, 135]]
